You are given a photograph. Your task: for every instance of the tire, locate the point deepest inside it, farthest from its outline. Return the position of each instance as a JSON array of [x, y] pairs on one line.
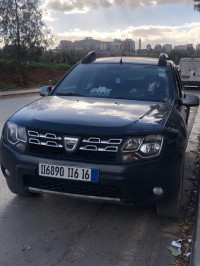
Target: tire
[[17, 189], [170, 205]]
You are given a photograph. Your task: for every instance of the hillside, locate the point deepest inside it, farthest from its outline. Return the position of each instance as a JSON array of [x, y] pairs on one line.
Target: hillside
[[35, 74]]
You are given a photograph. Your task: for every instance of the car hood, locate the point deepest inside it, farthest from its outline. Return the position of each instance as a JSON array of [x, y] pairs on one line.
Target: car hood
[[91, 115]]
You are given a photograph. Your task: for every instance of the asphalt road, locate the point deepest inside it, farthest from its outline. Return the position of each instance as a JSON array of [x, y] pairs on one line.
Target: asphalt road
[[55, 230]]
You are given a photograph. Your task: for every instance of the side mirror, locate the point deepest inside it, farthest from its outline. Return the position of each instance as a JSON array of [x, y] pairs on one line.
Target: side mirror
[[45, 90], [190, 100]]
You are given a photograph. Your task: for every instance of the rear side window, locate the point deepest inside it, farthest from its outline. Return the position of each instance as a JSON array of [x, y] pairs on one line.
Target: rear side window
[[127, 81]]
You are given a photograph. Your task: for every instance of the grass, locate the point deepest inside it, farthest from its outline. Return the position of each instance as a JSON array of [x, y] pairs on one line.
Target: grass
[[8, 86], [38, 65], [7, 65], [6, 62]]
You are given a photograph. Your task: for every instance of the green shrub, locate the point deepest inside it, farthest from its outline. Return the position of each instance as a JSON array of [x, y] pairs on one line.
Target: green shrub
[[37, 65], [6, 86]]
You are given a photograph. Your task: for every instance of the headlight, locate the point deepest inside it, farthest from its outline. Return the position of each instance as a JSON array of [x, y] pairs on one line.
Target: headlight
[[151, 146], [140, 148], [16, 135], [150, 149], [132, 144]]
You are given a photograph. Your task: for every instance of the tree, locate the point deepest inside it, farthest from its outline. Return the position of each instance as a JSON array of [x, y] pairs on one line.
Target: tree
[[22, 30], [197, 5]]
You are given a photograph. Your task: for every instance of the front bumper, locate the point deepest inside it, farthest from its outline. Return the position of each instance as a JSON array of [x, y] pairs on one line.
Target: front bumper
[[125, 183]]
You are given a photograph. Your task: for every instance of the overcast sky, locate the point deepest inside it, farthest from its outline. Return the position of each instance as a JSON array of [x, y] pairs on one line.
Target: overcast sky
[[158, 21]]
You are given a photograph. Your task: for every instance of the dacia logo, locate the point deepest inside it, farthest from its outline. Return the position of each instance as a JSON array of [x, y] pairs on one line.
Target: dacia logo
[[71, 143]]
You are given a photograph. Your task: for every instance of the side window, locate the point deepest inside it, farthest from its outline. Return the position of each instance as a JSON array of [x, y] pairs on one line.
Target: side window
[[178, 85]]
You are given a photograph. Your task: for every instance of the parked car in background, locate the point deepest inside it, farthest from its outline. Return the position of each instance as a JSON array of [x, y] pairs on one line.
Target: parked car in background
[[113, 129], [190, 71]]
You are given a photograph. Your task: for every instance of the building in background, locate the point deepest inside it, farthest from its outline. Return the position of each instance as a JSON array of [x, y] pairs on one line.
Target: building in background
[[140, 44], [89, 43], [198, 46], [116, 45], [78, 45], [102, 46], [148, 47], [180, 48], [128, 45], [117, 41], [64, 44], [158, 47], [190, 46], [167, 48]]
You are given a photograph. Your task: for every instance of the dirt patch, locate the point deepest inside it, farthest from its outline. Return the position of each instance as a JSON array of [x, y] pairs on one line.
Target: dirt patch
[[41, 76], [8, 77], [33, 77]]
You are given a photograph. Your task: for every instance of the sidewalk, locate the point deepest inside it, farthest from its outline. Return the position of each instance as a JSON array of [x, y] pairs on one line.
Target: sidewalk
[[19, 91]]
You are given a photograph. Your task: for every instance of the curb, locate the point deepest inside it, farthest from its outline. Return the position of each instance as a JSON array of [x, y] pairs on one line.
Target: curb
[[195, 255]]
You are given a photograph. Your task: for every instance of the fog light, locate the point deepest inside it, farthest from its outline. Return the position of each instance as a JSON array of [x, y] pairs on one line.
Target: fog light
[[21, 146], [7, 172], [129, 157], [158, 191]]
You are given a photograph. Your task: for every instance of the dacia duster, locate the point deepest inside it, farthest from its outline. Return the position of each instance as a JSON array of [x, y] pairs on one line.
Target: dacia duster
[[114, 128]]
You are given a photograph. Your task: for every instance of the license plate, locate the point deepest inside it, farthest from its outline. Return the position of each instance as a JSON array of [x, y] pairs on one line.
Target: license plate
[[69, 172]]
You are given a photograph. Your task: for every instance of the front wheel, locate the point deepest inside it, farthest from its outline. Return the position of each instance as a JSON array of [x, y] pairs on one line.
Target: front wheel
[[170, 205]]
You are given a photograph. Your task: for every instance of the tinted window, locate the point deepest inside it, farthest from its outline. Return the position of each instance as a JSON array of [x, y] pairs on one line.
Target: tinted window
[[129, 81]]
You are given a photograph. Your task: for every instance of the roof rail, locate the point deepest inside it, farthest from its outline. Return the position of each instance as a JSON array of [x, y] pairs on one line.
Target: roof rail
[[92, 56], [163, 59], [89, 58]]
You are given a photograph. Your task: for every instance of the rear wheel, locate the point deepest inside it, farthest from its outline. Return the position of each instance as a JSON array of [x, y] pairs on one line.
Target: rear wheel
[[17, 189], [170, 205]]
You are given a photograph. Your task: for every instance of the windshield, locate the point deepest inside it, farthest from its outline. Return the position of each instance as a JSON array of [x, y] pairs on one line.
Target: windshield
[[118, 81]]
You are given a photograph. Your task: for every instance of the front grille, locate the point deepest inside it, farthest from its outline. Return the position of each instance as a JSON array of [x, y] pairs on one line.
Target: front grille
[[72, 187], [98, 144], [90, 149]]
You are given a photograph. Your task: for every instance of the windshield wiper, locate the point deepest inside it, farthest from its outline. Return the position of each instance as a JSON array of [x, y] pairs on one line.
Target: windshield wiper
[[70, 94]]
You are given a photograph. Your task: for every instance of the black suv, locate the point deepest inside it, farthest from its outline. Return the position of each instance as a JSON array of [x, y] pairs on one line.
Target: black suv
[[113, 129]]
